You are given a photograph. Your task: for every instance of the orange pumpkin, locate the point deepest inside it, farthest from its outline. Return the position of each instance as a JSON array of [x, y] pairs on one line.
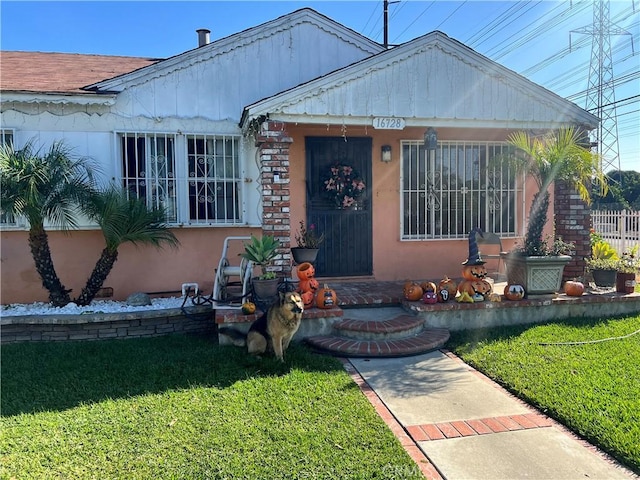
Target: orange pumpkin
[[449, 285], [310, 285], [474, 272], [482, 287], [248, 308], [414, 292], [514, 292], [428, 287], [574, 289], [466, 286], [307, 298], [306, 271], [326, 297]]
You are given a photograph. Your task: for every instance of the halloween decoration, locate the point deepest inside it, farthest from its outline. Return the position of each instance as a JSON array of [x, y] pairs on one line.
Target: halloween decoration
[[495, 297], [574, 289], [430, 297], [464, 298], [449, 285], [474, 257], [474, 272], [308, 284], [445, 296], [248, 308], [326, 297], [305, 271], [514, 292], [429, 287], [414, 292], [478, 297]]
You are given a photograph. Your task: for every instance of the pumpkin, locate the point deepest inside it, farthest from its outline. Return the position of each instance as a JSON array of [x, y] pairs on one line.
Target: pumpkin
[[307, 298], [482, 287], [449, 285], [474, 272], [445, 296], [326, 297], [466, 286], [306, 271], [430, 297], [405, 287], [413, 293], [248, 308], [495, 297], [573, 289], [514, 292], [429, 287]]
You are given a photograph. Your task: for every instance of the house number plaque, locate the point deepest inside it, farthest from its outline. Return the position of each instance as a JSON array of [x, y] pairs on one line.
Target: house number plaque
[[388, 123]]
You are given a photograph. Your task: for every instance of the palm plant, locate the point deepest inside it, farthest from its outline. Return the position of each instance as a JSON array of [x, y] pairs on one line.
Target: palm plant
[[122, 219], [559, 155], [51, 187]]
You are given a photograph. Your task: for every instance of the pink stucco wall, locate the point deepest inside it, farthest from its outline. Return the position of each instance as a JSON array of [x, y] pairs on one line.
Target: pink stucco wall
[[149, 270]]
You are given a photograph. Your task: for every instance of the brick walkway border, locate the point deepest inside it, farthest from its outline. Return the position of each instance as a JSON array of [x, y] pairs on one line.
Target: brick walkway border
[[411, 434]]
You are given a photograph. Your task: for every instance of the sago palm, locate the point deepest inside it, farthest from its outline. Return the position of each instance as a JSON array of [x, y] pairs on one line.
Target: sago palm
[[559, 155], [50, 187], [122, 220]]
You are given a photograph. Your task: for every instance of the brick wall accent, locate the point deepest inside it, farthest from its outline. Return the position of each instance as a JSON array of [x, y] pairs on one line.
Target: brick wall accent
[[273, 144], [573, 223]]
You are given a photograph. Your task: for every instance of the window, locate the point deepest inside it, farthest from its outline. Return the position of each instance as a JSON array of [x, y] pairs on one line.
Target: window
[[457, 189], [214, 180], [6, 219], [197, 182]]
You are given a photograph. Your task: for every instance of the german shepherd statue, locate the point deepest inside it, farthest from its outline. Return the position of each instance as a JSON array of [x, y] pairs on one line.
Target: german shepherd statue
[[274, 330]]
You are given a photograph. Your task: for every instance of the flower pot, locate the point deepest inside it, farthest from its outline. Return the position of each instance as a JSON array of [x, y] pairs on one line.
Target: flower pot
[[265, 290], [302, 255], [538, 275], [604, 278], [625, 282]]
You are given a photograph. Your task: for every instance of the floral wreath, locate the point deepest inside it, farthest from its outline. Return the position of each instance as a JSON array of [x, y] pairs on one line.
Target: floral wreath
[[344, 186]]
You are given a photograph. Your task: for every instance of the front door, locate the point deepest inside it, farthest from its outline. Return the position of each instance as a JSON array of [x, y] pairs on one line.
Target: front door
[[341, 211]]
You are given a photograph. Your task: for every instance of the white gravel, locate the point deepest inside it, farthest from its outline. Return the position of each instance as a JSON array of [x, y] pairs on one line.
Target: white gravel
[[97, 306]]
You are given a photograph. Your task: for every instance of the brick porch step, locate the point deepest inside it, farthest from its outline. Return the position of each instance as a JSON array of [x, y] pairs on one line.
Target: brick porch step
[[395, 328], [425, 341]]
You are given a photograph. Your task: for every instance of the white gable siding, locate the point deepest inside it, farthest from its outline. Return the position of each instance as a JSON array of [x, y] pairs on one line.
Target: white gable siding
[[432, 80]]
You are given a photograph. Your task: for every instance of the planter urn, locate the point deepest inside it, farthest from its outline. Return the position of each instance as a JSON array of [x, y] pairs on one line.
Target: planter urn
[[604, 278], [302, 255], [538, 275], [625, 282]]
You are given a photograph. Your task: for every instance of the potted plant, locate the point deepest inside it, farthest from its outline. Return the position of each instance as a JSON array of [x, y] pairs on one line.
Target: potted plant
[[308, 243], [557, 156], [603, 264], [628, 268], [262, 252]]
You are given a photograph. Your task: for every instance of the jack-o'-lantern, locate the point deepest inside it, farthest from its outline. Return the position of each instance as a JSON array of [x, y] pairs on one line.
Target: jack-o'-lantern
[[466, 286], [326, 297], [306, 271], [449, 285], [413, 292], [428, 287], [482, 287], [474, 272], [307, 298], [514, 292], [574, 289], [308, 285], [430, 297]]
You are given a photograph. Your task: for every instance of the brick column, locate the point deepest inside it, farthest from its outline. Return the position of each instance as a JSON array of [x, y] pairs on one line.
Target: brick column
[[273, 145], [572, 223]]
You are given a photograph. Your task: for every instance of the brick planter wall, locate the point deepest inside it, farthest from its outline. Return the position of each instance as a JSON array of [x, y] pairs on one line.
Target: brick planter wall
[[573, 223], [273, 144]]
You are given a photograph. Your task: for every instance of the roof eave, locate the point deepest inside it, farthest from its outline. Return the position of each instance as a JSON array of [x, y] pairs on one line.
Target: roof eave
[[60, 98]]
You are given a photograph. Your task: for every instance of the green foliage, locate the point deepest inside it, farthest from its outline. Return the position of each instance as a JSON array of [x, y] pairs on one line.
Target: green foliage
[[624, 191], [602, 250], [261, 251], [180, 407], [592, 388], [556, 156]]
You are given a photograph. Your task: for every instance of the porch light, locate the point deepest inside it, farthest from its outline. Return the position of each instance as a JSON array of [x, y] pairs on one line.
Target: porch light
[[385, 153], [431, 139]]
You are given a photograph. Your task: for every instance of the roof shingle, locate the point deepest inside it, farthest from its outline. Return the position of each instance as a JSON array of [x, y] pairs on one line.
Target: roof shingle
[[62, 72]]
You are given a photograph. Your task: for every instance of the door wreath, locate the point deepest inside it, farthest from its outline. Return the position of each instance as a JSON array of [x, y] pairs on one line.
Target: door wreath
[[344, 186]]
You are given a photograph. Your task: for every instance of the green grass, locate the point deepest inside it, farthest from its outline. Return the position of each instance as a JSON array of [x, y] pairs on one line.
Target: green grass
[[593, 388], [181, 407]]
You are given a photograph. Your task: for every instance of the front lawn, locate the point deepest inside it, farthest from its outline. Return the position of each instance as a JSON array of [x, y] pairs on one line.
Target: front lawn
[[181, 407], [593, 388]]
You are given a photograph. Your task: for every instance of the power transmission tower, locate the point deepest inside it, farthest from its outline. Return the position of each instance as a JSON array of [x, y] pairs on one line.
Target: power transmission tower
[[601, 97]]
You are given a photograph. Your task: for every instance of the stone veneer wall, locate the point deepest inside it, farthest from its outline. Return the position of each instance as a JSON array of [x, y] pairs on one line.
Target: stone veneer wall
[[573, 224], [273, 144]]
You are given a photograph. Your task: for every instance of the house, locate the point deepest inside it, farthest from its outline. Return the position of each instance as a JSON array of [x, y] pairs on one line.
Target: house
[[246, 134]]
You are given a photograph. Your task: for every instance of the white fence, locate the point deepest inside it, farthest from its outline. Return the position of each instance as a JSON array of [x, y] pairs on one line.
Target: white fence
[[620, 228]]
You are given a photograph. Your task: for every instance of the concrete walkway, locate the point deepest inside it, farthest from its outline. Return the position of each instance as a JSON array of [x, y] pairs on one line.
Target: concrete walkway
[[458, 424]]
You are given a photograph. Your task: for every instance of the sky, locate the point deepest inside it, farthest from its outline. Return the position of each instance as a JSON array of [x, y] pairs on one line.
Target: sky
[[547, 41]]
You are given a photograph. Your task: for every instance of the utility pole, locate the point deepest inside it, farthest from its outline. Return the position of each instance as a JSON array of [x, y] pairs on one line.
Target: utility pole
[[385, 20], [601, 98]]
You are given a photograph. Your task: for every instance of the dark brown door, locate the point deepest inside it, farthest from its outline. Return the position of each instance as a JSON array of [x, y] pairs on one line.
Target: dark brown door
[[347, 249]]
